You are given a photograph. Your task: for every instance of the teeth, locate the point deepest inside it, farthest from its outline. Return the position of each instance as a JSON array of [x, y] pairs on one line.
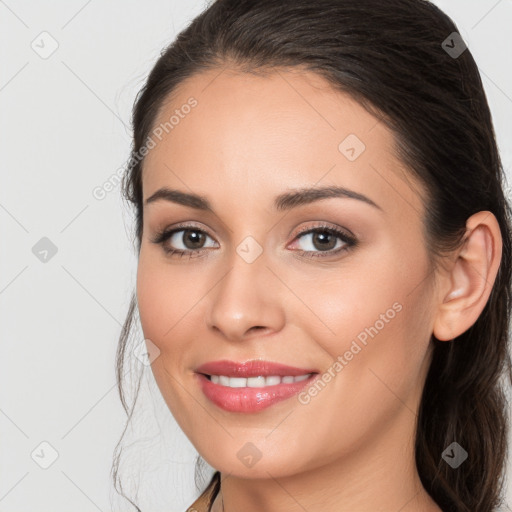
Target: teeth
[[256, 382], [272, 381]]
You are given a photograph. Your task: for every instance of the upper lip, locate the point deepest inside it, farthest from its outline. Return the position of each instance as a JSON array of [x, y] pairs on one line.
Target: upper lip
[[252, 368]]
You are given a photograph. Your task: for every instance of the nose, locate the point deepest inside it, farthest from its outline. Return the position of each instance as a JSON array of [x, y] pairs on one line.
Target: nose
[[246, 301]]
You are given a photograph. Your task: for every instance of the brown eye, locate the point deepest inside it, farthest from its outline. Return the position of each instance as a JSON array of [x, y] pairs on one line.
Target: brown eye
[[188, 240], [324, 241]]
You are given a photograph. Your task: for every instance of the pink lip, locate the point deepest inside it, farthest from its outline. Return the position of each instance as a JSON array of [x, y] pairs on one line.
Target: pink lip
[[251, 369], [249, 399]]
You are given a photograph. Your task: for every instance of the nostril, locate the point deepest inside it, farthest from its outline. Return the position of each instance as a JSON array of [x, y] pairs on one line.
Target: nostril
[[258, 327]]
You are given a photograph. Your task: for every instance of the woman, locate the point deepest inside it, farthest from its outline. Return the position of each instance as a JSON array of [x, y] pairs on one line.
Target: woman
[[324, 257]]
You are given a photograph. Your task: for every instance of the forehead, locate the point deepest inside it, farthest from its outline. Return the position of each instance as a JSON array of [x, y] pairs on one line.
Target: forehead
[[249, 137]]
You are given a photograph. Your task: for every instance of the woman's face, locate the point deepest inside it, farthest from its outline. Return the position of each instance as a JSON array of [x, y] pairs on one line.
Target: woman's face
[[356, 309]]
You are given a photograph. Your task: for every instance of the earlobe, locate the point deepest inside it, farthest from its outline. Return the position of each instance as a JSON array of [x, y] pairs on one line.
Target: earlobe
[[471, 278]]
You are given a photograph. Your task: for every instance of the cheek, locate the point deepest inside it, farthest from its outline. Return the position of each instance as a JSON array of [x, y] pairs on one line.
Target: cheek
[[166, 297], [379, 323], [166, 302], [150, 298]]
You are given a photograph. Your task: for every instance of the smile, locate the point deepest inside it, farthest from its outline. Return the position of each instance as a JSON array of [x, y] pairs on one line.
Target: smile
[[253, 385]]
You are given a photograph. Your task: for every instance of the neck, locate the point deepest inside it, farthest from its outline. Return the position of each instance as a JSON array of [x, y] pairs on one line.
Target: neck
[[379, 475]]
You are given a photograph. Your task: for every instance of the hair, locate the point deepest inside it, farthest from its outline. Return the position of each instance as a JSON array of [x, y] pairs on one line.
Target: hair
[[389, 56]]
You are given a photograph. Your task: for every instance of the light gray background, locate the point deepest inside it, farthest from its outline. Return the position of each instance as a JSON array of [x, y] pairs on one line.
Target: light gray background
[[64, 130]]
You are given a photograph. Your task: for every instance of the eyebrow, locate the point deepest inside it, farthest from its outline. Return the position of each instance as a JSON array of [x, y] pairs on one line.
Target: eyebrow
[[282, 202]]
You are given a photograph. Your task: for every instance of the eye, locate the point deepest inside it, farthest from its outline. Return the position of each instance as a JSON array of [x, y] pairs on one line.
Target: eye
[[318, 241], [189, 239], [322, 241]]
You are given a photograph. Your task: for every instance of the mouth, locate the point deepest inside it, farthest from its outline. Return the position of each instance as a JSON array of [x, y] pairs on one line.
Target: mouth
[[253, 368], [251, 386]]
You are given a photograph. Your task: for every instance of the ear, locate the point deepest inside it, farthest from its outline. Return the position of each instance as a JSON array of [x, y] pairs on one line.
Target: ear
[[467, 286]]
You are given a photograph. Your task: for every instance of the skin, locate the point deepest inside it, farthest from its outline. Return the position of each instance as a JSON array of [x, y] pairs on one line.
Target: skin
[[249, 139]]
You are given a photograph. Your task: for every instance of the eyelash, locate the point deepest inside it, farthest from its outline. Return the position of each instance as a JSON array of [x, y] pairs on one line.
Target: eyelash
[[350, 241]]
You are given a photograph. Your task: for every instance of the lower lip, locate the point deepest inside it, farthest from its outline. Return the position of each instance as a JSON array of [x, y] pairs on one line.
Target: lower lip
[[250, 399]]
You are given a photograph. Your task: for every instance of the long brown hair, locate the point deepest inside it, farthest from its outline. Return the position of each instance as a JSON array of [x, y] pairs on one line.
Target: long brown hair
[[393, 57]]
